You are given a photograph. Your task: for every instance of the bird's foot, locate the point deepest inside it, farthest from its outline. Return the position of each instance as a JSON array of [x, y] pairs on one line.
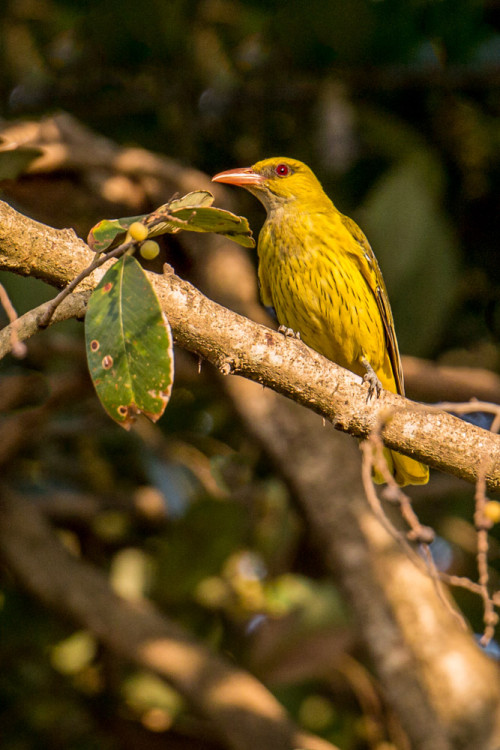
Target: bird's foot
[[371, 377], [289, 332]]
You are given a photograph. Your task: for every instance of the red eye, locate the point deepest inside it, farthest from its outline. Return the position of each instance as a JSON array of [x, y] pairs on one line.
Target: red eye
[[282, 170]]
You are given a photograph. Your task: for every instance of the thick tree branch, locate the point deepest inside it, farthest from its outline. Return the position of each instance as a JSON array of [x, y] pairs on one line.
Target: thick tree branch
[[141, 180], [237, 345]]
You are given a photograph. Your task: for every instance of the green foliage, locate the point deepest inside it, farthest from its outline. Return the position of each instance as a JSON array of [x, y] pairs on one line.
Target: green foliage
[[109, 233], [129, 345], [191, 213]]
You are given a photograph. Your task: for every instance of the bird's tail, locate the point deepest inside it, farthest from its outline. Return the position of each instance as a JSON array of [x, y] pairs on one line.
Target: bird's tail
[[405, 470]]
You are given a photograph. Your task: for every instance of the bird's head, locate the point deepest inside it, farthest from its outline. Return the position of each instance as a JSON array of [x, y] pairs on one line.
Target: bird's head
[[276, 182]]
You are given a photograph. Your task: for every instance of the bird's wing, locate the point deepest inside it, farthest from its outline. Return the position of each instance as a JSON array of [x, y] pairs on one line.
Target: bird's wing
[[265, 290], [367, 263]]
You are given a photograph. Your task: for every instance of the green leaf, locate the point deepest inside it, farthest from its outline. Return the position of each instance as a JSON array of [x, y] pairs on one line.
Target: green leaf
[[192, 213], [110, 233], [214, 220], [129, 345], [196, 199]]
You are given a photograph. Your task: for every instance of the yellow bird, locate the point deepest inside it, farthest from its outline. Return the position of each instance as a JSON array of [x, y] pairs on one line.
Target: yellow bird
[[319, 273]]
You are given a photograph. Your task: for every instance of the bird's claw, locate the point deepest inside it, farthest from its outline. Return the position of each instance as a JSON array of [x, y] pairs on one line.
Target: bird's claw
[[289, 332], [371, 377]]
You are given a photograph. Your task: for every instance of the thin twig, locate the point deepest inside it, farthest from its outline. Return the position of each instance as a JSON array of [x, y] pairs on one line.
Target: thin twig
[[483, 524], [438, 580], [98, 261], [18, 349], [160, 216], [376, 506], [495, 425], [473, 406], [373, 452]]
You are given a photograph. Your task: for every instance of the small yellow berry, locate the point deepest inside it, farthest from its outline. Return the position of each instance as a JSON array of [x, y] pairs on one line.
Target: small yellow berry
[[149, 249], [138, 231], [492, 511]]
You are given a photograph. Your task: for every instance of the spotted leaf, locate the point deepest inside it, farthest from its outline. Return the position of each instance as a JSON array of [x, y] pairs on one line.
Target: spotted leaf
[[129, 345]]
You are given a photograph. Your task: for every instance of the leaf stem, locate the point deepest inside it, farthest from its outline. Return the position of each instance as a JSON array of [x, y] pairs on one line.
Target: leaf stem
[[96, 263]]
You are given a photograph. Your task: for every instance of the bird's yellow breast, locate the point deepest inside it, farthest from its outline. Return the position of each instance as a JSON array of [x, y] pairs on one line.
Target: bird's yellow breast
[[307, 272]]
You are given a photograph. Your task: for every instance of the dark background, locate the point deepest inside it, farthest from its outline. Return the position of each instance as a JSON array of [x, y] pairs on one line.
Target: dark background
[[396, 107]]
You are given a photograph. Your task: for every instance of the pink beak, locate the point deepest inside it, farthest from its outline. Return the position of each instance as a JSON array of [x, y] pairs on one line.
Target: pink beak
[[242, 176]]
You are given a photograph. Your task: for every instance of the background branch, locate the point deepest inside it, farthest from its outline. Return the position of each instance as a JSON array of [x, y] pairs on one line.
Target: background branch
[[243, 713], [413, 639]]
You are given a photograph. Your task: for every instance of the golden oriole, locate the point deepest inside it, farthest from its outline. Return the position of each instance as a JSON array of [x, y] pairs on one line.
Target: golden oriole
[[319, 273]]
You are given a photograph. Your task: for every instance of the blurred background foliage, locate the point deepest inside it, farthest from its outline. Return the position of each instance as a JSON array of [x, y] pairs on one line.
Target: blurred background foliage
[[396, 105]]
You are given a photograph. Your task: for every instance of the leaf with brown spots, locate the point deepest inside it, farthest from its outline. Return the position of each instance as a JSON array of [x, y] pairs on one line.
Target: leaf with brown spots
[[129, 345]]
